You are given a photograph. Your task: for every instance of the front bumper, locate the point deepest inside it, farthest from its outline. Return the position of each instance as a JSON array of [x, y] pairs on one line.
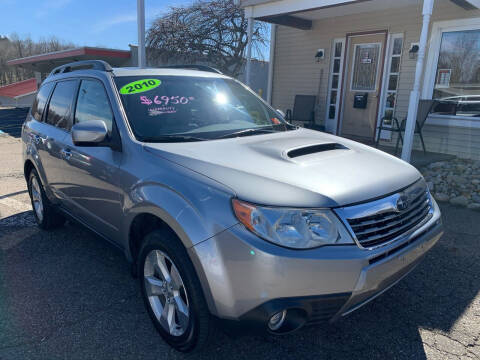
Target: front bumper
[[248, 279]]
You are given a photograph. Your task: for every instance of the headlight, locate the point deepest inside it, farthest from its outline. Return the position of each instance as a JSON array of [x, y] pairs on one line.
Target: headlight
[[293, 228]]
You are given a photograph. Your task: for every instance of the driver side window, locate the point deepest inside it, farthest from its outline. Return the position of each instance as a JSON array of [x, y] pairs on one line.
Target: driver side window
[[93, 103]]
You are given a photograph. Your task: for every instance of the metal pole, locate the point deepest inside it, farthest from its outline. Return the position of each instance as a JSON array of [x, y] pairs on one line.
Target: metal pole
[[273, 31], [249, 50], [141, 32], [415, 94], [38, 78]]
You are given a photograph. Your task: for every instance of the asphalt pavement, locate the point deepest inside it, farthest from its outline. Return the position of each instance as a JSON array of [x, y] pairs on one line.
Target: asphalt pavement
[[67, 294]]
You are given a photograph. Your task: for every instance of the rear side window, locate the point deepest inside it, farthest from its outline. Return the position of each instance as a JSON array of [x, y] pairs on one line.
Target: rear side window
[[40, 101], [60, 104], [93, 104]]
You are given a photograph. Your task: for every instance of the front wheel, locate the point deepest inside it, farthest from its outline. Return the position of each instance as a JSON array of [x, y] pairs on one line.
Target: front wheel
[[172, 292]]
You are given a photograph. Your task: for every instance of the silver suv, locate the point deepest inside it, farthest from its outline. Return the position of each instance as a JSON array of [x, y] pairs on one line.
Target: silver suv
[[228, 214]]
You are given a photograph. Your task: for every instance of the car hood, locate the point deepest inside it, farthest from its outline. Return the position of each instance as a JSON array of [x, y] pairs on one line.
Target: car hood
[[300, 168]]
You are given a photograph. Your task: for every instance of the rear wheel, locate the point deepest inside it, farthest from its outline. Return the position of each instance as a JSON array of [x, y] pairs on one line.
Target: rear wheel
[[46, 216], [172, 292]]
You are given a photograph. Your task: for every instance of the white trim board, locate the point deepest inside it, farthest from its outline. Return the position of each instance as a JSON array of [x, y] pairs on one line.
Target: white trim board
[[331, 125], [386, 135], [291, 6], [453, 121], [27, 94]]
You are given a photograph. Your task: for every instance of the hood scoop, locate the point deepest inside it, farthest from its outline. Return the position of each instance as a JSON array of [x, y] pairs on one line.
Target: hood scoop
[[314, 149]]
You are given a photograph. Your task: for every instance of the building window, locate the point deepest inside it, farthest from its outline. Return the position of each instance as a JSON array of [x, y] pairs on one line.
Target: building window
[[452, 73], [335, 80], [457, 77], [365, 67], [389, 94]]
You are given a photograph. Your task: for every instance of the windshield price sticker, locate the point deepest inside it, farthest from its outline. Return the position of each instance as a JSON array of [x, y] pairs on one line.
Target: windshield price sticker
[[139, 86], [162, 110], [166, 100]]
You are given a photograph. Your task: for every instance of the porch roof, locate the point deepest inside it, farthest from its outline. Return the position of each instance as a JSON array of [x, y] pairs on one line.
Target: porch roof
[[301, 13]]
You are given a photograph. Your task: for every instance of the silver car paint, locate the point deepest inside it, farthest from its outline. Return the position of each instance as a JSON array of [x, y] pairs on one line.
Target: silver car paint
[[93, 131], [259, 170], [238, 279], [190, 187]]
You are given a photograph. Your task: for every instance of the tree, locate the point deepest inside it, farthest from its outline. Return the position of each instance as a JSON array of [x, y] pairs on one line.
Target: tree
[[212, 32]]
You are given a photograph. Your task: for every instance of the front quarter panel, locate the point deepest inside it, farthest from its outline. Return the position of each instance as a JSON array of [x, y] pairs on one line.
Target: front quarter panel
[[194, 206]]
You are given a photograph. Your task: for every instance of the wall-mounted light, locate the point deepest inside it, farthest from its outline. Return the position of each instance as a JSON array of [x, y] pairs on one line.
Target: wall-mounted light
[[320, 54], [414, 47]]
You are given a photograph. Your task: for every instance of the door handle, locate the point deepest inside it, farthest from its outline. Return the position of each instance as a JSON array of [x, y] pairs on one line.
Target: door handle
[[66, 153], [37, 139]]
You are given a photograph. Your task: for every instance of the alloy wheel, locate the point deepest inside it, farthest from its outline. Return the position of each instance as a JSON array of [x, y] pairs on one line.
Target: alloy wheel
[[37, 199], [166, 293]]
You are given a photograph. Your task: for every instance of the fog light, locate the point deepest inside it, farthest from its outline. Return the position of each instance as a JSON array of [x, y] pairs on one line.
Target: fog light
[[276, 321]]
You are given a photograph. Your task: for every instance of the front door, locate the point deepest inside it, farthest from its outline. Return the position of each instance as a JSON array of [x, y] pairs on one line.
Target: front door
[[362, 87], [91, 176]]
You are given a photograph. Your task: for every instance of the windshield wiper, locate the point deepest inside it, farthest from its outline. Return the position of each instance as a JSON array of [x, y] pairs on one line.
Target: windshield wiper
[[171, 138], [250, 131]]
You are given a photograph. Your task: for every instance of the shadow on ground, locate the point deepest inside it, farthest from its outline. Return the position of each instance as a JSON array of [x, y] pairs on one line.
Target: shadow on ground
[[11, 120], [68, 293]]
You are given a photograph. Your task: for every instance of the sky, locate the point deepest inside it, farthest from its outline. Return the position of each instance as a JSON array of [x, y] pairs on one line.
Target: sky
[[102, 23]]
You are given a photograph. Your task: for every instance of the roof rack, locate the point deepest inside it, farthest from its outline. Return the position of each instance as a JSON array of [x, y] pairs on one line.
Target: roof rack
[[194, 67], [82, 65]]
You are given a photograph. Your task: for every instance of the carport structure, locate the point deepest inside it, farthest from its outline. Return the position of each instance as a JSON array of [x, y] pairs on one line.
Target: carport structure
[[42, 64]]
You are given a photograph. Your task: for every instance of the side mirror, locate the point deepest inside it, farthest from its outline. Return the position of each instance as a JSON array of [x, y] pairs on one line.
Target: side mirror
[[89, 133], [281, 112]]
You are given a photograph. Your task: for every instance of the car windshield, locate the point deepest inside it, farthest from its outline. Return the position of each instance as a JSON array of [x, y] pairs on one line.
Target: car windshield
[[181, 108]]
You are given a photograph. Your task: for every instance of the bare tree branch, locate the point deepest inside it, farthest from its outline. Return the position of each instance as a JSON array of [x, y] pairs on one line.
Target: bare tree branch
[[212, 32]]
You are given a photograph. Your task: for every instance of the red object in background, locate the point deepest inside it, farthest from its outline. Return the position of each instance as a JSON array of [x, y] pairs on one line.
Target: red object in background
[[19, 88], [275, 121]]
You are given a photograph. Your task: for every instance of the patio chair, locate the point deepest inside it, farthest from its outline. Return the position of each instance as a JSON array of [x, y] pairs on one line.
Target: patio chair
[[304, 112], [424, 108]]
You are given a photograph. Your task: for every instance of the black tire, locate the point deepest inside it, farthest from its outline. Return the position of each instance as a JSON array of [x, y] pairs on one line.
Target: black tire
[[51, 218], [201, 327]]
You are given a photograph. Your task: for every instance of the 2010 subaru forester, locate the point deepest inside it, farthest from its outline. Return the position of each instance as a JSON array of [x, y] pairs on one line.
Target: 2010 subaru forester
[[226, 211]]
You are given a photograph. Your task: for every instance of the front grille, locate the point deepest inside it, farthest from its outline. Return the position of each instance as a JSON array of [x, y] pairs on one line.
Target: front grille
[[384, 222]]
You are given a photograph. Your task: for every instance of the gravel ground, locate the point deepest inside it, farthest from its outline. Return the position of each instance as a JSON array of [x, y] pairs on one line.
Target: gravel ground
[[67, 294]]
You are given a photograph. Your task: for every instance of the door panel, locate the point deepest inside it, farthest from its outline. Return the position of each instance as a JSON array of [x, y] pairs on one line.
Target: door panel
[[364, 70], [47, 141], [92, 172], [90, 185], [52, 132]]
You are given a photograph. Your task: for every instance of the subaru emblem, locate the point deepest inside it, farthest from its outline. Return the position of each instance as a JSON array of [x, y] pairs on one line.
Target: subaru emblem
[[402, 203]]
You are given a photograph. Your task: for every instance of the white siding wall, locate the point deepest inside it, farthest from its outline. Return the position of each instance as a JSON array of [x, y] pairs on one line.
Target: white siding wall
[[297, 72]]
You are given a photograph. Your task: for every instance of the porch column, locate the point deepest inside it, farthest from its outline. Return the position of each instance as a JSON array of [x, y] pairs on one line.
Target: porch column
[[141, 32], [273, 30], [249, 50], [415, 94]]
